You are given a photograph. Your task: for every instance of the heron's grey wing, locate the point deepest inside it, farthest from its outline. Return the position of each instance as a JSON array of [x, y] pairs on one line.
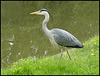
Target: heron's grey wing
[[64, 38]]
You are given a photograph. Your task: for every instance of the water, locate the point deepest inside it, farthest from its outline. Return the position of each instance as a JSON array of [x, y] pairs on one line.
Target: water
[[21, 33]]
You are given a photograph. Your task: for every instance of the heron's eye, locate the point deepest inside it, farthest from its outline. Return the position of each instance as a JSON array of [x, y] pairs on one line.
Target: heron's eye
[[39, 10]]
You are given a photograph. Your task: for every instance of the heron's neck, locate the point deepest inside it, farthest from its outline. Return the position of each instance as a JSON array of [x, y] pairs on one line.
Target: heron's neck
[[44, 27]]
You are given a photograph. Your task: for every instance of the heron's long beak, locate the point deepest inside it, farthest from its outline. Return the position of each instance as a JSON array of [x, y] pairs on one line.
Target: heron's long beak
[[34, 13]]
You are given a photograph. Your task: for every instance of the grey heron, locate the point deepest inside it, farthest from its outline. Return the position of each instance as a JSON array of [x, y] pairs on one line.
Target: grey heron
[[58, 36]]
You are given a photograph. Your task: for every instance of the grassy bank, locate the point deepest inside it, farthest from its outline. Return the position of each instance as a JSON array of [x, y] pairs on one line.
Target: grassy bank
[[84, 61]]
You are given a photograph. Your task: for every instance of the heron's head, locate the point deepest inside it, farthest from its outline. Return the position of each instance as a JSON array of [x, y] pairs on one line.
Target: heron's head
[[40, 12]]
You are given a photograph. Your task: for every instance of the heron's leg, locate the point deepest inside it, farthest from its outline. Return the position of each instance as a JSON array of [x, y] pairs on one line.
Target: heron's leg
[[60, 55], [68, 54]]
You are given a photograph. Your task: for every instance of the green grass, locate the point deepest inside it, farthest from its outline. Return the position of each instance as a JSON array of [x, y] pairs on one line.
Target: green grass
[[82, 63]]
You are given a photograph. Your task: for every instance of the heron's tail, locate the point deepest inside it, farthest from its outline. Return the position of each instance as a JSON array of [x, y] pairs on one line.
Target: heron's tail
[[76, 46]]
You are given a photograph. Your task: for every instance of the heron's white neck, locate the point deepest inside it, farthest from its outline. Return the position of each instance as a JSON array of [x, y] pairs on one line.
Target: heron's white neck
[[44, 27]]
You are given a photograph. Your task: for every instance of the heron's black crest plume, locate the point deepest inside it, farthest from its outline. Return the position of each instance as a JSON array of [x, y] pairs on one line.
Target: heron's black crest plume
[[43, 10]]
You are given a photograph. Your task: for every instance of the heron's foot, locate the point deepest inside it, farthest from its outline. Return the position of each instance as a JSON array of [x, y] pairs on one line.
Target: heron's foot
[[70, 58]]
